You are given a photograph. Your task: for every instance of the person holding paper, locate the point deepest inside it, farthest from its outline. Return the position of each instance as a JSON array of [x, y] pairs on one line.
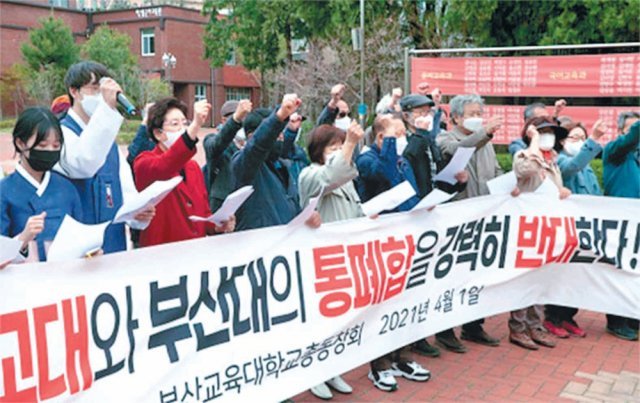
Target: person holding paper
[[90, 156], [219, 148], [176, 141], [532, 166], [34, 199], [470, 130], [578, 150], [259, 164], [332, 169], [381, 167], [422, 152]]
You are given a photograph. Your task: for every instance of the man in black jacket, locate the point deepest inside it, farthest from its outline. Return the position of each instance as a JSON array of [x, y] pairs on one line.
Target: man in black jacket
[[219, 148]]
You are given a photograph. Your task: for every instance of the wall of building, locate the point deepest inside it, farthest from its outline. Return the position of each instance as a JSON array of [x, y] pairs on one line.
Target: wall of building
[[177, 30]]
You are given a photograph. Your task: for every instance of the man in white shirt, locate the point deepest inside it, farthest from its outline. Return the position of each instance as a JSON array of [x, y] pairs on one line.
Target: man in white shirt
[[90, 157]]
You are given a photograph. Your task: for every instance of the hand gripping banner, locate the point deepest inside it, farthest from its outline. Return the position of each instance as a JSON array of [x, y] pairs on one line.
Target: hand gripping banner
[[263, 315]]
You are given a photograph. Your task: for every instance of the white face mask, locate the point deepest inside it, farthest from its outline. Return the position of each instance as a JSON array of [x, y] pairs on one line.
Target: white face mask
[[172, 137], [472, 124], [343, 123], [401, 144], [90, 103], [546, 141], [573, 147], [330, 155]]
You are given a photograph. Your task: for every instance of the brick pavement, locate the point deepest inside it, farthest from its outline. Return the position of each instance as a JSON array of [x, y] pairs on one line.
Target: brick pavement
[[599, 367]]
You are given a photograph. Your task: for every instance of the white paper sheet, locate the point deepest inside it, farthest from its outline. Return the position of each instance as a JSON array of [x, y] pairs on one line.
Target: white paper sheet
[[389, 200], [434, 198], [503, 184], [150, 196], [9, 248], [458, 163], [229, 207], [74, 240], [306, 213], [547, 187]]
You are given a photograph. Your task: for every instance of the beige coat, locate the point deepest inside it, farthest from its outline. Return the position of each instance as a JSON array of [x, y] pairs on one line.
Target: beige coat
[[531, 170], [483, 165], [341, 200]]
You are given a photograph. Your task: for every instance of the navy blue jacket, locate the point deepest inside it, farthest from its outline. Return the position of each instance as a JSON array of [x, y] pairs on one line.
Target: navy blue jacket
[[275, 199], [101, 195], [19, 201], [382, 169], [141, 143]]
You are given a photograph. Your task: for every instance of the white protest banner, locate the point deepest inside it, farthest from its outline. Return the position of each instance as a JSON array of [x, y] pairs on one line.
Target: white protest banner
[[265, 314]]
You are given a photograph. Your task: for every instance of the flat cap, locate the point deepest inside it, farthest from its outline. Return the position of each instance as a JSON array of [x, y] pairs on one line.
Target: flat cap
[[228, 108], [412, 101]]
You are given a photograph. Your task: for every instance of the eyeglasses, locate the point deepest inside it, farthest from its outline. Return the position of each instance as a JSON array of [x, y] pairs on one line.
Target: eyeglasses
[[343, 114]]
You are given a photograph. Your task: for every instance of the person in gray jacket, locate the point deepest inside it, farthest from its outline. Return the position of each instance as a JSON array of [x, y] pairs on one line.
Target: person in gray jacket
[[470, 130], [332, 170]]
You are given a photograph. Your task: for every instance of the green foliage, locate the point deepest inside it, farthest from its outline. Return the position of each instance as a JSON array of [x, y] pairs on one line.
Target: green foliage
[[50, 44], [110, 48], [505, 161], [48, 54], [596, 165]]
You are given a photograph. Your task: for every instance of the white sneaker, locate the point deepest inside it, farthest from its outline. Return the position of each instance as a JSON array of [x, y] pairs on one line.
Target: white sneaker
[[411, 370], [321, 392], [383, 380], [339, 384]]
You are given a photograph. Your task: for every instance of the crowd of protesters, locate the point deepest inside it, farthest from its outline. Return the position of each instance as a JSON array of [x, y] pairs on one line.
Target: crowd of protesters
[[69, 164]]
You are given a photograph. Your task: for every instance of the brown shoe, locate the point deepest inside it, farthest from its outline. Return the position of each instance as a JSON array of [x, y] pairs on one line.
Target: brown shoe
[[522, 339], [542, 337]]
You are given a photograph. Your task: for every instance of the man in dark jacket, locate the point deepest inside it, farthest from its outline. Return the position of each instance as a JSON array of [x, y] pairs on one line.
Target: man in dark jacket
[[219, 149], [423, 154], [275, 198]]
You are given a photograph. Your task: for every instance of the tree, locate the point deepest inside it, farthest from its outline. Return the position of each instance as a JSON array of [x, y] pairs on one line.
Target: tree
[[112, 48], [49, 52], [52, 43]]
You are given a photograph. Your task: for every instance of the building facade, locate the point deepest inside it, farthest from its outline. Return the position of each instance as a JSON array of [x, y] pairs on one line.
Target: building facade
[[154, 31]]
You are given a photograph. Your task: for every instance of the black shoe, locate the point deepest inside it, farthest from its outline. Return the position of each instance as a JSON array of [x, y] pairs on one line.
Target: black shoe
[[423, 347], [624, 333], [451, 343], [480, 337]]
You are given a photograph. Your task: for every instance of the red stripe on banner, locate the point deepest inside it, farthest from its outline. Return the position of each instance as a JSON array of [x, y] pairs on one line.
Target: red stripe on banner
[[611, 75]]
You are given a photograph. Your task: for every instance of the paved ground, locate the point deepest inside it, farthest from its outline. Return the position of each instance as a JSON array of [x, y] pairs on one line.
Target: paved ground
[[599, 368]]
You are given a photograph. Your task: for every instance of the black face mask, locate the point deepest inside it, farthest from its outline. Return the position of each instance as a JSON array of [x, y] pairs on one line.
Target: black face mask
[[43, 160], [276, 151]]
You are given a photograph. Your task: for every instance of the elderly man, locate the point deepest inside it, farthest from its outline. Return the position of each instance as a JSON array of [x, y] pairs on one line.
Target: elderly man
[[621, 177], [424, 156], [471, 131], [336, 112]]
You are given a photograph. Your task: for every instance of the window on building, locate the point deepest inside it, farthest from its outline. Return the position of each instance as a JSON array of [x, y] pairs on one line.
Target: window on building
[[201, 92], [237, 93], [148, 42], [231, 60]]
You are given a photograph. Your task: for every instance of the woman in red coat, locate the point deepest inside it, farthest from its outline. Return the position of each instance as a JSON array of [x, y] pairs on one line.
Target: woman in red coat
[[176, 145]]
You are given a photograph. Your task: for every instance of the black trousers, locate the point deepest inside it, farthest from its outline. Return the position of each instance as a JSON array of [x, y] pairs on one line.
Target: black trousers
[[557, 314], [615, 322]]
